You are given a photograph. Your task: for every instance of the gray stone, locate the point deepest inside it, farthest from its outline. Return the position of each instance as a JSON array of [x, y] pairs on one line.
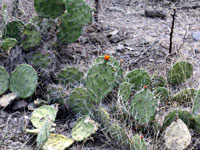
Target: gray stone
[[196, 36]]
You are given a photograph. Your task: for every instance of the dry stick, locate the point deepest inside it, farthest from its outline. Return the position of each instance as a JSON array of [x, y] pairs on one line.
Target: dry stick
[[96, 19], [172, 30]]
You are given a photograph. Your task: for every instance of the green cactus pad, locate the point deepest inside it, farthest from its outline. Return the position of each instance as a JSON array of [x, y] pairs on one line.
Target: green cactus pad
[[69, 75], [158, 81], [44, 132], [138, 78], [196, 104], [14, 29], [79, 101], [143, 107], [124, 91], [57, 142], [49, 8], [102, 117], [80, 11], [84, 128], [78, 14], [138, 143], [186, 95], [196, 124], [102, 77], [56, 94], [185, 116], [32, 37], [180, 72], [118, 136], [162, 93], [23, 81], [8, 44], [4, 80], [38, 116], [41, 58]]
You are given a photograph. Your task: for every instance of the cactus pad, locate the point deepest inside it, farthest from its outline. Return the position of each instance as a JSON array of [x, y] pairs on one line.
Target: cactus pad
[[69, 75], [118, 136], [138, 143], [162, 93], [102, 77], [78, 14], [138, 78], [79, 101], [124, 91], [143, 107], [186, 95], [84, 128], [8, 44], [40, 114], [102, 117], [32, 37], [4, 80], [57, 142], [158, 81], [185, 116], [49, 8], [196, 104], [23, 81], [196, 124], [180, 72], [14, 29]]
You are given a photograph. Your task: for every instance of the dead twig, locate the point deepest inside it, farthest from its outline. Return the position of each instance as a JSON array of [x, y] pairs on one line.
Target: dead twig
[[172, 30]]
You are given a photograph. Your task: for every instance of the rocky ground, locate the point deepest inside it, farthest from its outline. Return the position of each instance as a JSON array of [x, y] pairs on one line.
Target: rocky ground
[[128, 31]]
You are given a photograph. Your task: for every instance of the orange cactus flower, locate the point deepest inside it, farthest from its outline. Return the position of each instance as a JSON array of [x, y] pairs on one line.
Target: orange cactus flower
[[106, 57]]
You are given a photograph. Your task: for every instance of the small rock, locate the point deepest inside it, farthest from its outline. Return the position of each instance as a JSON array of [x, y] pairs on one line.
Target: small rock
[[120, 47], [177, 136], [196, 36], [155, 14], [115, 38]]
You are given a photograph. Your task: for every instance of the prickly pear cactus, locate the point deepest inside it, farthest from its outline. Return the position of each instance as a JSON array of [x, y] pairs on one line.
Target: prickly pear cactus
[[162, 94], [102, 77], [158, 81], [138, 143], [180, 72], [102, 117], [124, 91], [32, 37], [49, 8], [118, 136], [23, 81], [196, 104], [69, 75], [143, 107], [14, 29], [79, 101], [184, 115], [79, 9], [4, 80], [56, 94], [186, 95], [43, 59], [177, 136], [138, 78], [84, 128], [78, 14], [8, 44], [40, 114], [57, 142]]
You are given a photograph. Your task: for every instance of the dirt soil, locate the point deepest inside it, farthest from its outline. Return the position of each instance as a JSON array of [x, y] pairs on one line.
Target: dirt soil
[[124, 32]]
